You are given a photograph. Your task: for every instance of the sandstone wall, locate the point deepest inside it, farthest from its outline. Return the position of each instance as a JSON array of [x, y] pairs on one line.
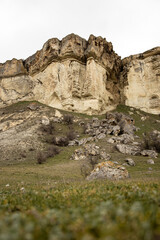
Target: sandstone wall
[[141, 79], [72, 74]]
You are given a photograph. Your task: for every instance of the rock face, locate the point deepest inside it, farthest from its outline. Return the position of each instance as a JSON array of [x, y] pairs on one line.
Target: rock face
[[83, 76], [72, 74], [19, 133], [141, 79]]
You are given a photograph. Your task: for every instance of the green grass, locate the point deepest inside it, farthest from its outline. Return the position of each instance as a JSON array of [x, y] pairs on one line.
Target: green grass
[[53, 201], [97, 210]]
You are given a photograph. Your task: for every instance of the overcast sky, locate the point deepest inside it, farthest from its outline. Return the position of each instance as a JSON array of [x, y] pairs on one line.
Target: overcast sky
[[133, 26]]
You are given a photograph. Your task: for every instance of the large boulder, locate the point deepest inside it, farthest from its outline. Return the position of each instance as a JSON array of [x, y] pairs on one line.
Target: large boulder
[[130, 162], [124, 138], [149, 153], [108, 170], [150, 161], [128, 149]]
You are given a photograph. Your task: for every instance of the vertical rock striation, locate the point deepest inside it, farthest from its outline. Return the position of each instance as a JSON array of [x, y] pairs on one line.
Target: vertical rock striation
[[72, 74], [141, 81], [83, 76]]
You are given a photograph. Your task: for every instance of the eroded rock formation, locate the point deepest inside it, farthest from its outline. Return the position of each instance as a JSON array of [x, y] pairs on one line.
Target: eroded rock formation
[[72, 74], [141, 79], [83, 76]]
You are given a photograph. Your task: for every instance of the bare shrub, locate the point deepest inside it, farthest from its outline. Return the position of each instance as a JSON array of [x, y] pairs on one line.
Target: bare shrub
[[68, 119], [52, 151], [118, 117], [63, 142], [151, 141], [50, 139], [41, 157], [85, 170], [71, 135], [49, 129], [58, 141], [88, 165], [84, 128]]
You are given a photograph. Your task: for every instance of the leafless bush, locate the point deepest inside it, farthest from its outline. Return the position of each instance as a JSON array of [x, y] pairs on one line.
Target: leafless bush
[[63, 142], [58, 141], [50, 152], [88, 165], [41, 157], [118, 117], [71, 135], [151, 141], [48, 129], [85, 169], [84, 128], [68, 119], [50, 139]]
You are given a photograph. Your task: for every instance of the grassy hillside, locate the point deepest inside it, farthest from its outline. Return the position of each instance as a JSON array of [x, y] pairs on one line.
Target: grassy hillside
[[52, 201]]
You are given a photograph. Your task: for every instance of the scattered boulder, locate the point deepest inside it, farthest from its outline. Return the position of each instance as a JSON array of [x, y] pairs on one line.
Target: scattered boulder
[[81, 142], [101, 136], [128, 149], [90, 151], [108, 170], [60, 141], [116, 130], [130, 162], [45, 120], [105, 156], [114, 124], [130, 113], [127, 127], [143, 118], [124, 138], [126, 123], [150, 161], [74, 142], [111, 140], [149, 153], [85, 140], [58, 114], [78, 154]]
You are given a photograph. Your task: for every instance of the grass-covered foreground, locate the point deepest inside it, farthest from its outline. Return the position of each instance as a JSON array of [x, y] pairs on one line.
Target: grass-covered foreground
[[97, 210]]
